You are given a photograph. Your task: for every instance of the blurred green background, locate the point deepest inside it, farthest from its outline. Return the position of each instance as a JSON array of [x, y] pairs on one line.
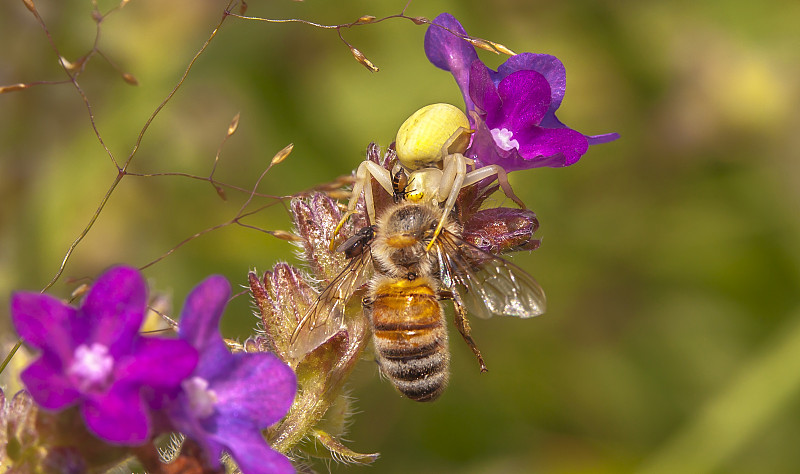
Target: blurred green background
[[670, 257]]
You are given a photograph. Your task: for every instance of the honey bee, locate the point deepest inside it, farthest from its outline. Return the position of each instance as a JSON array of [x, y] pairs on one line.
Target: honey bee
[[405, 284]]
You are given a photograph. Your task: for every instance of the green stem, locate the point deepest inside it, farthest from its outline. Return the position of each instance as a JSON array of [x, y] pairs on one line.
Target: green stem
[[10, 355]]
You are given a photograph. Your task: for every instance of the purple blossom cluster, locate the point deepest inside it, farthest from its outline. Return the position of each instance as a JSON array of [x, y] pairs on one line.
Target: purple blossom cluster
[[130, 388], [512, 110]]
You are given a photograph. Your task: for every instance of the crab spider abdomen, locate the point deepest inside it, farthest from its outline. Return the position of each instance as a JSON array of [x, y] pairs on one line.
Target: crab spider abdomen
[[422, 137]]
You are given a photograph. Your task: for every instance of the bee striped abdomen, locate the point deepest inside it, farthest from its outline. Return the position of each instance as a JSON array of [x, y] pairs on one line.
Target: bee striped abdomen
[[410, 336]]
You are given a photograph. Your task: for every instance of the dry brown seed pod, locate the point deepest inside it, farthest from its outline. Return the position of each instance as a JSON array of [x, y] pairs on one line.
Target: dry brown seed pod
[[365, 19], [482, 44], [234, 125], [363, 59], [502, 48], [30, 6], [281, 155], [13, 87], [130, 79]]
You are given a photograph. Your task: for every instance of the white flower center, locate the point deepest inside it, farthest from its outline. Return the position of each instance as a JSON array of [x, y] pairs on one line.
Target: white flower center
[[502, 136], [91, 367], [201, 399]]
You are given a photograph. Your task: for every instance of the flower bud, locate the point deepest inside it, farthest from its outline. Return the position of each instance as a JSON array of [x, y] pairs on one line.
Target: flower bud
[[315, 219], [283, 296], [499, 230]]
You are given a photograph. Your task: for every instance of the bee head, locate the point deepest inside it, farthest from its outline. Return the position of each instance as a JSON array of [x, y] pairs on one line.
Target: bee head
[[408, 224], [403, 233]]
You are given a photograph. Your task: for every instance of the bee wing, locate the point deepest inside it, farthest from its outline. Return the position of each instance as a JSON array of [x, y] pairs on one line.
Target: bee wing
[[326, 316], [493, 285]]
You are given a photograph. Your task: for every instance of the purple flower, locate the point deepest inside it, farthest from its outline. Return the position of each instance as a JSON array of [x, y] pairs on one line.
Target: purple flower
[[512, 109], [94, 357], [230, 398]]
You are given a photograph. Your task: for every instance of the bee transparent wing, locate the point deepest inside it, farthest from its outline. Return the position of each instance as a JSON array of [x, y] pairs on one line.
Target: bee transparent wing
[[492, 285], [326, 317]]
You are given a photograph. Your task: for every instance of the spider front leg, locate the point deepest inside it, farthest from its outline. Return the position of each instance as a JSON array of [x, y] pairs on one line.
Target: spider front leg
[[363, 183], [502, 178], [457, 143], [453, 175]]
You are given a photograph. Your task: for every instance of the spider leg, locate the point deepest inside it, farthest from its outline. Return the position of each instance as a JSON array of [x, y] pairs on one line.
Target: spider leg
[[453, 174], [502, 178], [458, 142], [364, 174]]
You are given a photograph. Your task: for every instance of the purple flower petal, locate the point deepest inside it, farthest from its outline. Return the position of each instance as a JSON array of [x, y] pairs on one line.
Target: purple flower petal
[[118, 416], [450, 52], [260, 387], [251, 452], [48, 385], [482, 90], [199, 325], [43, 322], [202, 311], [114, 308], [202, 431], [546, 142], [600, 139], [485, 151], [525, 97], [159, 363], [548, 66]]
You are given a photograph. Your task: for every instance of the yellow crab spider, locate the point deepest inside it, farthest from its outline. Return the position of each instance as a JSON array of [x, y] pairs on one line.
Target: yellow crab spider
[[429, 149]]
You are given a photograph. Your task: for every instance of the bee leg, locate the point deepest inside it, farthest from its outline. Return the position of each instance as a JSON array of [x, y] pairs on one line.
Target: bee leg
[[462, 324], [366, 302]]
